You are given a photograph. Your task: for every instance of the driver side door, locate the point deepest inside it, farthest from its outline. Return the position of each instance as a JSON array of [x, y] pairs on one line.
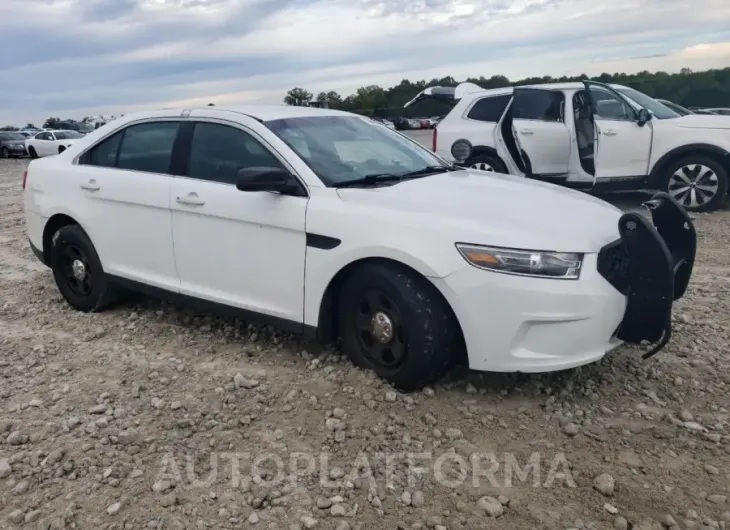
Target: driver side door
[[241, 249], [623, 143]]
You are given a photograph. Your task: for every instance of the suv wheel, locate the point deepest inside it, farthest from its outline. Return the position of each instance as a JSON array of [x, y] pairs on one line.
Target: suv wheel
[[398, 325], [486, 163], [699, 183], [78, 271]]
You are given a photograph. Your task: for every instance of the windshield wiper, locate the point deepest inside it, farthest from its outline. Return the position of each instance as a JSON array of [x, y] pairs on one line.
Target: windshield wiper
[[429, 170], [369, 180]]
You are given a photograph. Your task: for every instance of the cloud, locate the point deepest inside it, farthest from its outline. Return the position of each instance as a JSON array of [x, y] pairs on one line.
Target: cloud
[[76, 57]]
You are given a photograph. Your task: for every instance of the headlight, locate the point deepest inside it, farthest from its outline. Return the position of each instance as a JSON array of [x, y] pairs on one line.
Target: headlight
[[535, 263]]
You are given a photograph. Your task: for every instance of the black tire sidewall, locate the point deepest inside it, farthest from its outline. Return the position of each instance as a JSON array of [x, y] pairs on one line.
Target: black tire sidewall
[[722, 179], [75, 235], [496, 164], [428, 355], [32, 152]]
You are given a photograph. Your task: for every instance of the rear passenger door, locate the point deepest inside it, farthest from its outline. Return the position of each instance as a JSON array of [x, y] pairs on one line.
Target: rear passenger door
[[480, 123], [241, 249], [123, 183], [539, 128]]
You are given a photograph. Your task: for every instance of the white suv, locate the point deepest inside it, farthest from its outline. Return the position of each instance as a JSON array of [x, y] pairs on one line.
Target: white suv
[[586, 135]]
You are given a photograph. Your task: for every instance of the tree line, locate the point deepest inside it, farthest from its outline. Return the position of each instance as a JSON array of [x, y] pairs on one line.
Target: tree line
[[709, 88]]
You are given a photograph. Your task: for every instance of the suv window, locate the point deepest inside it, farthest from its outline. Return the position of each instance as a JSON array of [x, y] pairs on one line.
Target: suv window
[[148, 147], [219, 152], [536, 104], [104, 154], [608, 106], [489, 108]]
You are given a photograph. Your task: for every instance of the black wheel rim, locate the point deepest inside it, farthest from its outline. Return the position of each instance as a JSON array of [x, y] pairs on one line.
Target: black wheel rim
[[75, 270], [380, 330]]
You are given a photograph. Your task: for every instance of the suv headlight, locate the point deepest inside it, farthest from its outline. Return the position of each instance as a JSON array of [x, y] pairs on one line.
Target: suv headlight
[[535, 263]]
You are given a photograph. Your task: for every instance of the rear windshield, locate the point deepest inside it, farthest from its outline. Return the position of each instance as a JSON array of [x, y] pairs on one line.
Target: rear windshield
[[67, 135]]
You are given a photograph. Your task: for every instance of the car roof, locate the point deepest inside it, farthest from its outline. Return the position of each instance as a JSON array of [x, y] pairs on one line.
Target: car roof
[[275, 112]]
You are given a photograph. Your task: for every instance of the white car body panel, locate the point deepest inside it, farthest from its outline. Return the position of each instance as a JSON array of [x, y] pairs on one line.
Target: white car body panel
[[249, 250], [48, 147]]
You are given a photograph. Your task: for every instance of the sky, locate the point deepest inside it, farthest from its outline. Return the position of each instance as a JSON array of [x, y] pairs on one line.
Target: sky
[[73, 58]]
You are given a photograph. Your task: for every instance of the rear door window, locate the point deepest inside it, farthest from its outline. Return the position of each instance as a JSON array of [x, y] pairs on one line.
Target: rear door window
[[489, 109]]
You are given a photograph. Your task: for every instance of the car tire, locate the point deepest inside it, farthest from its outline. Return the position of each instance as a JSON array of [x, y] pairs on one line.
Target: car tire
[[78, 272], [396, 323], [32, 153], [700, 170], [61, 149], [4, 153], [486, 163]]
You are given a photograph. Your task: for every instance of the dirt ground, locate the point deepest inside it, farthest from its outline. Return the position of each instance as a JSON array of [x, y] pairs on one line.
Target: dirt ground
[[151, 416]]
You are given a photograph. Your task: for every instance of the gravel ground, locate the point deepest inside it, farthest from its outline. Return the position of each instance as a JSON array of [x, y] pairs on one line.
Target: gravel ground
[[135, 418]]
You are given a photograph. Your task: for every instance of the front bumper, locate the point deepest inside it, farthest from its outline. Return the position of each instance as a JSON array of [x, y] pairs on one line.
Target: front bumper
[[652, 266], [625, 294], [16, 151]]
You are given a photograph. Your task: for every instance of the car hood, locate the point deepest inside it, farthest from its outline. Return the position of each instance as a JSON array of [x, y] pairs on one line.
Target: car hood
[[495, 209], [704, 121]]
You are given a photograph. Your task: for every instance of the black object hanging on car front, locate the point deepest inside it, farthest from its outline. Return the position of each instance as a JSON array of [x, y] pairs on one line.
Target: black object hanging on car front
[[652, 266]]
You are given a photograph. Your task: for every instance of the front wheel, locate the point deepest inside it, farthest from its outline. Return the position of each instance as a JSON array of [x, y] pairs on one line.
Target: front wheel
[[78, 272], [699, 183], [32, 152], [396, 323], [4, 153]]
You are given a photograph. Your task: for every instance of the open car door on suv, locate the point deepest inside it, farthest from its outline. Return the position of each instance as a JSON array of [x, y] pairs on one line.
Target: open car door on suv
[[623, 134], [534, 130]]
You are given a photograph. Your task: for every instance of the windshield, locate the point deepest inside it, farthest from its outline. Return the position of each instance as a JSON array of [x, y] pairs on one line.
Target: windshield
[[346, 148], [660, 111], [12, 136], [67, 135]]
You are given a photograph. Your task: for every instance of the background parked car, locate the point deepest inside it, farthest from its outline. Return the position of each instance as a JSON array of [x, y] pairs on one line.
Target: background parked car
[[12, 144], [47, 143], [679, 109], [722, 111], [401, 123]]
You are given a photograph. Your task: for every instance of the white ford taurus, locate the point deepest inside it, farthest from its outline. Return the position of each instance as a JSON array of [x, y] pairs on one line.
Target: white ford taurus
[[328, 224]]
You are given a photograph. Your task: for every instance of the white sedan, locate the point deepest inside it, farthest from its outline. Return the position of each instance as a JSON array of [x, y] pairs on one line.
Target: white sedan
[[47, 143], [327, 224]]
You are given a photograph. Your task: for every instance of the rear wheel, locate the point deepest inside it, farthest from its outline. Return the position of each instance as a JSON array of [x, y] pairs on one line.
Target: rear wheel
[[78, 271], [486, 163], [32, 153], [61, 149], [397, 324], [699, 183]]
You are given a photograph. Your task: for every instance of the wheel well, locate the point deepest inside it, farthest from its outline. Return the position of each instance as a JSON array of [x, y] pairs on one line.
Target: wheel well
[[715, 154], [61, 149], [327, 323], [53, 225], [479, 150]]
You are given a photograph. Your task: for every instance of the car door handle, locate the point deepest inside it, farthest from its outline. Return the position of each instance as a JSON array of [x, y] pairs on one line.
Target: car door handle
[[609, 132], [527, 132], [91, 185], [191, 199]]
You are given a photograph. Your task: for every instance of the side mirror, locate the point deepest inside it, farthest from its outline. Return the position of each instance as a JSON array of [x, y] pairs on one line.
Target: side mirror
[[644, 117], [271, 179]]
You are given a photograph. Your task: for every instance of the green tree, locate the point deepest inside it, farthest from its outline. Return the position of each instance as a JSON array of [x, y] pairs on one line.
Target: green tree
[[51, 123], [298, 97], [710, 88]]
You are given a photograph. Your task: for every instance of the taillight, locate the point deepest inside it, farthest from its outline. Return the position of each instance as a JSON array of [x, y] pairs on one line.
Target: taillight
[[25, 177], [434, 139]]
